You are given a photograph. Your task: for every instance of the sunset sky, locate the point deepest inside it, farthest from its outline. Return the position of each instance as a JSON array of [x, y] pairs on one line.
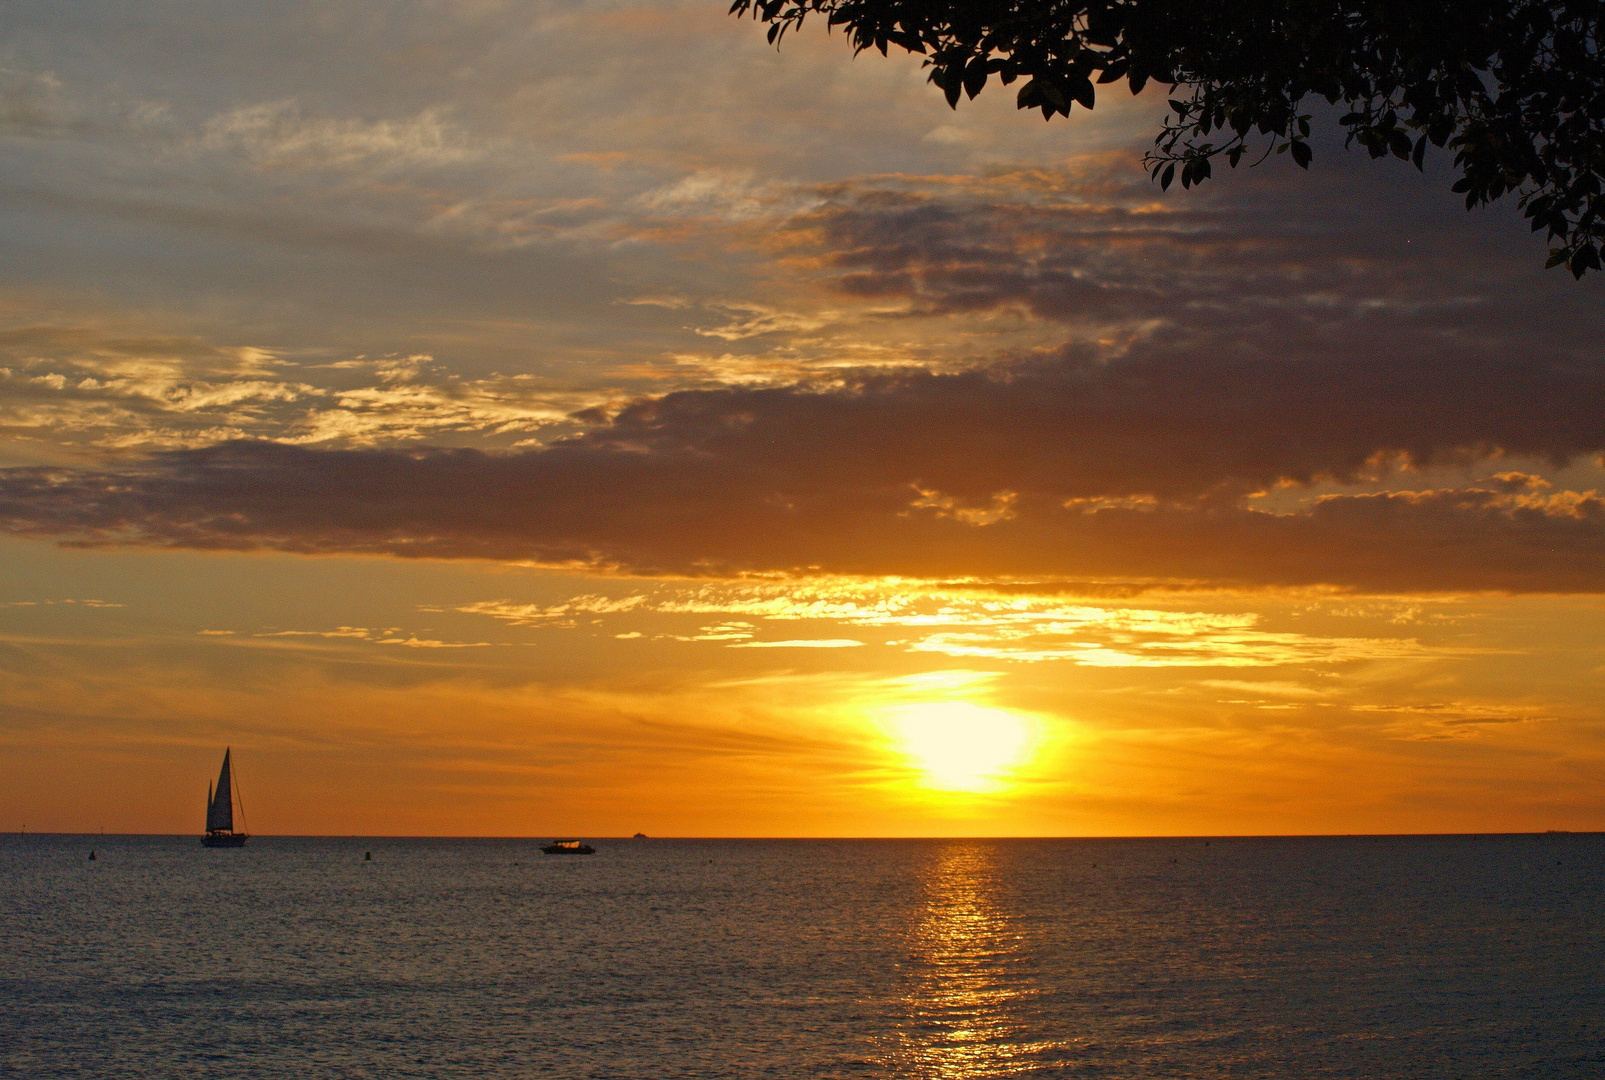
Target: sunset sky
[[541, 418]]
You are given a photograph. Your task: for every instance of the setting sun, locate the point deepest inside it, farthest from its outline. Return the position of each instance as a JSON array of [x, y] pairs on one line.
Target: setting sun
[[961, 746]]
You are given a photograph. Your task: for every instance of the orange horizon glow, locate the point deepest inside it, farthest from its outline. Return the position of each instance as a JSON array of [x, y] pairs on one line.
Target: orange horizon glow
[[344, 734]]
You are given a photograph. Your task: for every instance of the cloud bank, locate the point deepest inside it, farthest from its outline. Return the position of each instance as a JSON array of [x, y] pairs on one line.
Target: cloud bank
[[1150, 467]]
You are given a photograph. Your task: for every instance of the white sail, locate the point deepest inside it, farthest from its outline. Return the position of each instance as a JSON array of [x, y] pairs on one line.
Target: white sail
[[220, 812]]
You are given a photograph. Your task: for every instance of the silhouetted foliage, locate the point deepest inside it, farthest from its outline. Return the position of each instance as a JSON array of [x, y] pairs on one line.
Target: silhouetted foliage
[[1515, 88]]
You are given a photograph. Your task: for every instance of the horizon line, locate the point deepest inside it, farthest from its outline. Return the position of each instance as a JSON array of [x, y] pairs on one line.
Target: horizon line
[[545, 837]]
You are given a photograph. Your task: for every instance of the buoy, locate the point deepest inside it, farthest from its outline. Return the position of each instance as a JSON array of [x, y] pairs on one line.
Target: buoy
[[91, 856], [367, 856]]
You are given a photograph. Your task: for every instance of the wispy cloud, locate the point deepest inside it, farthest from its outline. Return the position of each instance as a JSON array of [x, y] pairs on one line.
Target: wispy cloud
[[390, 636], [800, 643], [281, 135], [986, 625], [131, 393], [1435, 721], [55, 603]]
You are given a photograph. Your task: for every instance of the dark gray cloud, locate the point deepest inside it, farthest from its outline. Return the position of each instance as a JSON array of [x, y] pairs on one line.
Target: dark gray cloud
[[1353, 251], [1169, 419], [1131, 469]]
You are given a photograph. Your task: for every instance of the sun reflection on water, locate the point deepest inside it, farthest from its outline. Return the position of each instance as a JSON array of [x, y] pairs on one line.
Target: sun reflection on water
[[970, 983]]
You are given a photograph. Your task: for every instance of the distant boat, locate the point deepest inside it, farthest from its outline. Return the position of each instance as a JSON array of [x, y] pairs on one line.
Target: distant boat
[[639, 836], [220, 811], [568, 847]]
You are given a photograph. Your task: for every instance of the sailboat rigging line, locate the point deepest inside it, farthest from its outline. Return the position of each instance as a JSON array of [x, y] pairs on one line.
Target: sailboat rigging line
[[241, 800]]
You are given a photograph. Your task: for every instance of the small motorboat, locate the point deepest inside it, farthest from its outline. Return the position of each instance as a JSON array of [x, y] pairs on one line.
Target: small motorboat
[[568, 847]]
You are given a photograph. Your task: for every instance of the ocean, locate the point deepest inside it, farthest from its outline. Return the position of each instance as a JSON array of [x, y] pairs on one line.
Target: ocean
[[1378, 957]]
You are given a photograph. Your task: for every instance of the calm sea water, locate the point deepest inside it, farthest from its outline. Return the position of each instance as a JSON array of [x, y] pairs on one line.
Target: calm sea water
[[1392, 957]]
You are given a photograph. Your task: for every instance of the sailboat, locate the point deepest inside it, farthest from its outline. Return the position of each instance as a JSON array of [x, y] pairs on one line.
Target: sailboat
[[220, 811]]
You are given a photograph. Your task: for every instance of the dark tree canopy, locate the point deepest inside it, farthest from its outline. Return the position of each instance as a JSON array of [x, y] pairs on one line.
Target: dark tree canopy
[[1514, 88]]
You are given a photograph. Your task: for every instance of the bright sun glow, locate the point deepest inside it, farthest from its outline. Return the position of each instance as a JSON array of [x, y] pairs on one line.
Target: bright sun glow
[[960, 746]]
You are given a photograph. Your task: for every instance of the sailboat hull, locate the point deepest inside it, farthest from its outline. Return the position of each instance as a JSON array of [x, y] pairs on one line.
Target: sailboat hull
[[224, 840]]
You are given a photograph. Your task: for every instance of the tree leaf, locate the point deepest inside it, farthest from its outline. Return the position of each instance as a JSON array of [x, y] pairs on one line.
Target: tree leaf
[[974, 77]]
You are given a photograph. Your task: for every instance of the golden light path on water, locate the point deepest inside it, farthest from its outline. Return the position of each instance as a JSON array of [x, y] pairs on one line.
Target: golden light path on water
[[967, 999], [962, 746]]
